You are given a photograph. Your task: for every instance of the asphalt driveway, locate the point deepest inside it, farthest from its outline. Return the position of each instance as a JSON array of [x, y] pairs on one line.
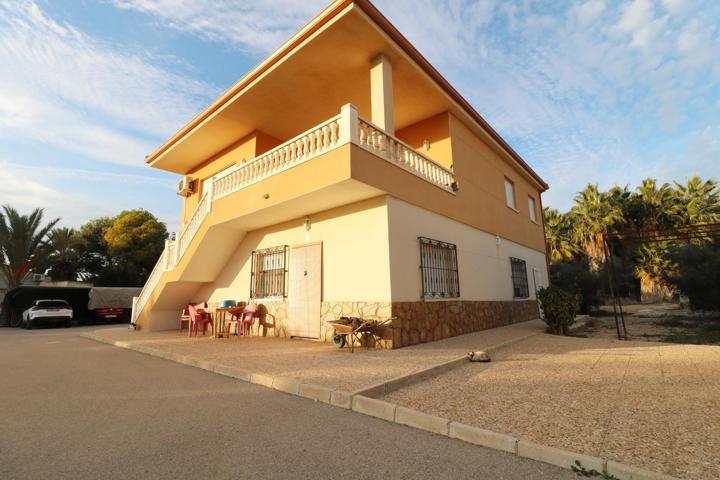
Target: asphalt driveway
[[77, 409]]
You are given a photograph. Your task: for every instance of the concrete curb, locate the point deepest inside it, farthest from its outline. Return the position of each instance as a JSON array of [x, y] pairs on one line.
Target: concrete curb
[[383, 388], [484, 438], [406, 416]]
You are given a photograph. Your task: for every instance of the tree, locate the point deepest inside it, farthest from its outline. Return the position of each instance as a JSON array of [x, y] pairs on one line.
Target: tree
[[558, 235], [594, 215], [653, 206], [698, 274], [62, 260], [94, 261], [698, 201], [135, 240], [22, 243], [652, 266]]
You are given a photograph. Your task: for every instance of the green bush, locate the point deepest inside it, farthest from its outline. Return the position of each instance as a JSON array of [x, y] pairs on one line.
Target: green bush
[[577, 279], [698, 275], [559, 308]]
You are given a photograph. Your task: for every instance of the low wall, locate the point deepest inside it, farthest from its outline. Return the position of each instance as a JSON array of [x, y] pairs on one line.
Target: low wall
[[416, 322], [422, 322]]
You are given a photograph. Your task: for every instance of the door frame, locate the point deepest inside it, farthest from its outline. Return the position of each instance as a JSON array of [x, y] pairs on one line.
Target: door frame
[[322, 279]]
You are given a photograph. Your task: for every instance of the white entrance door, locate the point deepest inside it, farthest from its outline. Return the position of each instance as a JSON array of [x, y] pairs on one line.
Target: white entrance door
[[538, 279], [305, 292]]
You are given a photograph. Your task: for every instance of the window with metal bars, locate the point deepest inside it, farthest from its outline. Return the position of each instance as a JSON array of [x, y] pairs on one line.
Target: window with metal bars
[[268, 277], [519, 278], [439, 269]]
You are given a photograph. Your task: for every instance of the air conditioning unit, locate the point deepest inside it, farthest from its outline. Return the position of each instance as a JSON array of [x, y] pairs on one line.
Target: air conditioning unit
[[186, 187]]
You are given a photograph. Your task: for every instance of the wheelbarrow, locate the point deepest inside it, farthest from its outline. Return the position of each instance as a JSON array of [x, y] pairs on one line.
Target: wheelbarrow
[[352, 329]]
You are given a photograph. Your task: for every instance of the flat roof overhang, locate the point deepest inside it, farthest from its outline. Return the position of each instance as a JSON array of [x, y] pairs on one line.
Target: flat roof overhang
[[306, 81]]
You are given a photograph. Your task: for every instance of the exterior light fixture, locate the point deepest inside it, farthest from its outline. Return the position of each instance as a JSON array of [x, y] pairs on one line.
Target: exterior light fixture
[[306, 224], [498, 240], [426, 144], [455, 186]]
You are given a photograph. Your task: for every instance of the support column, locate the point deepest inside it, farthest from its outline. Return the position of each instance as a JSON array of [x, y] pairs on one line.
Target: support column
[[381, 93]]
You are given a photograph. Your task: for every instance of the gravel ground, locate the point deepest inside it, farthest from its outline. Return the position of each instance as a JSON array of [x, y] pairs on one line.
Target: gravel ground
[[651, 405], [319, 362]]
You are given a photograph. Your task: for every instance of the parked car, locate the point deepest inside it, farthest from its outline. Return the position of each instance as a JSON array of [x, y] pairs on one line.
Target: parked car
[[48, 311], [108, 315]]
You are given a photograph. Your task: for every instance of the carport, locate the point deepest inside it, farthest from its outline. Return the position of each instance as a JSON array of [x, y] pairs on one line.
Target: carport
[[21, 298]]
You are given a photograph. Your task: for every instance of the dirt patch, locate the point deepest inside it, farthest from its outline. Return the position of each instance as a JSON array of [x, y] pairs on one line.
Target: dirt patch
[[669, 325]]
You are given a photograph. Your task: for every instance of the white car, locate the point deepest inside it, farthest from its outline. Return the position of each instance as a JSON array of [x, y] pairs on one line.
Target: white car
[[47, 311]]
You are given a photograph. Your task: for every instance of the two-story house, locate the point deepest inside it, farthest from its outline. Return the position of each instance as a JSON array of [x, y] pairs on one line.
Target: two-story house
[[344, 175]]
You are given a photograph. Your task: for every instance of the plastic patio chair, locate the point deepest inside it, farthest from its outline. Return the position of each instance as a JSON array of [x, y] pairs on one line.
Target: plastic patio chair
[[248, 316], [235, 319], [184, 317], [198, 317]]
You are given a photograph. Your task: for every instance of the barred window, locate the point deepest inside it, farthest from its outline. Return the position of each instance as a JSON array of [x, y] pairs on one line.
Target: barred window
[[439, 269], [269, 273], [519, 278]]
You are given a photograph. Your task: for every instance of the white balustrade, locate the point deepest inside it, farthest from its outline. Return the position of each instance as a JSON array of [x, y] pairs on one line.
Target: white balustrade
[[150, 285], [302, 148], [396, 151]]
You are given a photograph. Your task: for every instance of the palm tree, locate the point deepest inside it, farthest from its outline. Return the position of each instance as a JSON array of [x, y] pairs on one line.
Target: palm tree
[[652, 267], [558, 235], [62, 259], [594, 215], [699, 201], [21, 243], [653, 206]]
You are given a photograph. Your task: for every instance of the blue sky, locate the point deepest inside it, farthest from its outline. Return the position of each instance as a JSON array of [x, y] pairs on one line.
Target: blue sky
[[593, 91]]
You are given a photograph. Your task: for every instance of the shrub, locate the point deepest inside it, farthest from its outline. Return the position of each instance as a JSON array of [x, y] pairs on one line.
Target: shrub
[[559, 308], [577, 279], [698, 275]]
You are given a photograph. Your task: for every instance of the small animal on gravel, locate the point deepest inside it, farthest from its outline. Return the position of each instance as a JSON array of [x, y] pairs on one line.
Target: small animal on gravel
[[478, 356]]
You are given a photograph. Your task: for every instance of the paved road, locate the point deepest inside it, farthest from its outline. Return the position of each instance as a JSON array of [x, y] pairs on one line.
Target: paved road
[[76, 409]]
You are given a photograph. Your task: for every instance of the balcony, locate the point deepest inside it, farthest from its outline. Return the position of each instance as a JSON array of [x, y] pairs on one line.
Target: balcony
[[340, 130]]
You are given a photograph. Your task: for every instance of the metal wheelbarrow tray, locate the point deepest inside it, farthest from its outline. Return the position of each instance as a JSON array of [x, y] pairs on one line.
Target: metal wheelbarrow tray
[[355, 328]]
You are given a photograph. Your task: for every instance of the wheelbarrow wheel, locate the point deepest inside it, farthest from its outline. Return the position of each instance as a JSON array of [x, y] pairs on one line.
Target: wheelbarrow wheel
[[339, 340]]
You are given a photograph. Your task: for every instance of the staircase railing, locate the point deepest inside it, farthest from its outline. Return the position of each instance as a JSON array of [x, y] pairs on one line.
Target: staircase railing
[[333, 133]]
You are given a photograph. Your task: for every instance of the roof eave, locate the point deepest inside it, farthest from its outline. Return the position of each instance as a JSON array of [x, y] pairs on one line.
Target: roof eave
[[312, 26]]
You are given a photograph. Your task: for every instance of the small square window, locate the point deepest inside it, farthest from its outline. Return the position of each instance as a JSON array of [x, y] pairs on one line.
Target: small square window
[[439, 269], [531, 208], [510, 194], [269, 272]]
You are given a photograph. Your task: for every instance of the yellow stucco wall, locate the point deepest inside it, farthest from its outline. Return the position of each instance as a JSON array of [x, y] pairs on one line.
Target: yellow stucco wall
[[480, 172], [436, 130], [483, 264], [355, 254], [246, 148]]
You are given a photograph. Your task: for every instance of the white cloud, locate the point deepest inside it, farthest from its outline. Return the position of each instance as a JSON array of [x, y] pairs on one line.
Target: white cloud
[[704, 151], [676, 7], [256, 26], [26, 194], [636, 16], [64, 88]]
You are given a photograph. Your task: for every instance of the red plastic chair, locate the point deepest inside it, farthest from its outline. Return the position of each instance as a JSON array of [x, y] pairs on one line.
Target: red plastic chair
[[235, 319], [198, 317], [248, 316]]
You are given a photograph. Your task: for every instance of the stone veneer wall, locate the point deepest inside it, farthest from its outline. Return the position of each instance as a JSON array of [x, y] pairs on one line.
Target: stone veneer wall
[[416, 322], [422, 322], [274, 318]]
